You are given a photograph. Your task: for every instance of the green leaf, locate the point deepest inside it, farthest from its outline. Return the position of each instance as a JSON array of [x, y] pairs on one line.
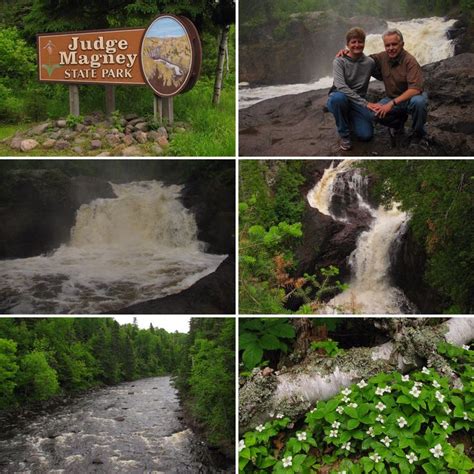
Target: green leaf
[[247, 338], [252, 356], [351, 424], [269, 342]]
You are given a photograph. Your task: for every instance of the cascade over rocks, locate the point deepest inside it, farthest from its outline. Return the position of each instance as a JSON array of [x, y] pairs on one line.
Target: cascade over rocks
[[294, 390], [39, 208], [299, 125]]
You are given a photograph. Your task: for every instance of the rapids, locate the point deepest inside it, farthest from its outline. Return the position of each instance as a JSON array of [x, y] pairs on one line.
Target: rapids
[[133, 427], [425, 38], [138, 246]]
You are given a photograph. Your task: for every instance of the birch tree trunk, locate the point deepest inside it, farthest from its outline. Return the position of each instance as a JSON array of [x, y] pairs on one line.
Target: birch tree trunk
[[224, 34], [293, 391]]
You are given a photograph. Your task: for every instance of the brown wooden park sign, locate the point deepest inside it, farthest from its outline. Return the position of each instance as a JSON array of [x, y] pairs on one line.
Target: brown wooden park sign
[[166, 56]]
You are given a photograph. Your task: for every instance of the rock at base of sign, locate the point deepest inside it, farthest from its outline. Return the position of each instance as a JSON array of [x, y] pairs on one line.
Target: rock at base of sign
[[128, 140], [61, 123], [112, 139], [133, 150], [39, 129], [96, 144], [163, 142], [28, 145], [62, 145], [140, 137], [49, 143], [142, 127], [156, 150]]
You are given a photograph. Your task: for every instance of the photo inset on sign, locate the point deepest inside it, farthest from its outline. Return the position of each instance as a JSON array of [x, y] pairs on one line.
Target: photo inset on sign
[[166, 55]]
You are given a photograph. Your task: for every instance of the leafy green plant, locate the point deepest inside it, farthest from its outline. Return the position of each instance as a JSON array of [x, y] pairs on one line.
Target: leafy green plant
[[330, 347], [116, 119], [73, 120], [391, 423], [260, 335]]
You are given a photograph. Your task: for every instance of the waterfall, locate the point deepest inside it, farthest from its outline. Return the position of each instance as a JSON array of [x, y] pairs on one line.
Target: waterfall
[[140, 245], [425, 38], [370, 288]]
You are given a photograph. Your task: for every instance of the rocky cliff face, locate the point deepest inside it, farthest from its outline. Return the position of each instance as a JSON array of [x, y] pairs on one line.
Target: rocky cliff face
[[299, 125], [38, 209], [299, 50]]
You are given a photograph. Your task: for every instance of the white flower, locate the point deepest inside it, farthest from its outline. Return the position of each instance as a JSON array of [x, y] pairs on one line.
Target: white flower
[[380, 419], [405, 378], [380, 406], [241, 445], [411, 457], [353, 405], [465, 347], [272, 414], [281, 415], [336, 425], [418, 384], [370, 432], [439, 396], [340, 410], [341, 472], [447, 410], [386, 441], [425, 370], [375, 457], [288, 461], [414, 392], [346, 446], [444, 424], [436, 384], [402, 422], [260, 428], [301, 436], [333, 434], [362, 384], [379, 391], [464, 415], [346, 391], [346, 399], [388, 389], [313, 410], [437, 451]]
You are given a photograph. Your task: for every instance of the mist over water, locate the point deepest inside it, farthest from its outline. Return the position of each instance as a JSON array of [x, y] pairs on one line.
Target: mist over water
[[425, 38], [135, 247], [370, 288]]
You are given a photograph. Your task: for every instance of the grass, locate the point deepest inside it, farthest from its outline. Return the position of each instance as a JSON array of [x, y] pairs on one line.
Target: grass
[[210, 131]]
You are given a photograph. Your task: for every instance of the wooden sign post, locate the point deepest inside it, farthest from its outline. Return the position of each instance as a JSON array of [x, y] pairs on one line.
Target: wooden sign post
[[165, 56]]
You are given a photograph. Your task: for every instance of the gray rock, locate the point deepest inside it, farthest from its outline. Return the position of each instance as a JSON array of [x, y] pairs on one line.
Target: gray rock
[[16, 142], [28, 144], [128, 140], [133, 150], [77, 150], [129, 129], [162, 132], [80, 127], [137, 120], [39, 129], [55, 135], [140, 137], [129, 117], [61, 123], [49, 143], [96, 144], [163, 142], [141, 126], [112, 139], [104, 153], [62, 145]]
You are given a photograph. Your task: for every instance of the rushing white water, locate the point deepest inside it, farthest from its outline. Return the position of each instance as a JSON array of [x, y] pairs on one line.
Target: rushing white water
[[132, 248], [370, 289], [425, 38]]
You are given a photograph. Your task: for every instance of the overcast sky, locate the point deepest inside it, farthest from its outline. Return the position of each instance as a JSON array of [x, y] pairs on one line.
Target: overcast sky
[[171, 323]]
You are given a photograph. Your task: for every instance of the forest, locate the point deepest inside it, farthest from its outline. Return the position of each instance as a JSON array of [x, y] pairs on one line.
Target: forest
[[280, 10], [294, 258], [358, 395], [23, 99], [49, 359]]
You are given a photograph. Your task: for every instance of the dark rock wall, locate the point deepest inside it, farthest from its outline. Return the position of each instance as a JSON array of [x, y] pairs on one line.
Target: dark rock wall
[[38, 209]]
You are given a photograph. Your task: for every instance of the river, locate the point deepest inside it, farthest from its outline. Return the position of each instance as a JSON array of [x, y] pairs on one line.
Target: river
[[134, 427]]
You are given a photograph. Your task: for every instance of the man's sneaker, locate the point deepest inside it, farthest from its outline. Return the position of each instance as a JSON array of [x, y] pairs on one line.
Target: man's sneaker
[[345, 144]]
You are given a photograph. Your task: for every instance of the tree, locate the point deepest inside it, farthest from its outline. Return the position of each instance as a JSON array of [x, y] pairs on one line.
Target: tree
[[8, 370], [36, 379]]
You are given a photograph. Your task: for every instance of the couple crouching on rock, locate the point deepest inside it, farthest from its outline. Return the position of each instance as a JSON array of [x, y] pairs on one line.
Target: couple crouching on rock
[[403, 80]]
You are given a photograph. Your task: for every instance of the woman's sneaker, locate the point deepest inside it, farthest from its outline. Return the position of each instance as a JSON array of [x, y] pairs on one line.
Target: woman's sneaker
[[345, 144]]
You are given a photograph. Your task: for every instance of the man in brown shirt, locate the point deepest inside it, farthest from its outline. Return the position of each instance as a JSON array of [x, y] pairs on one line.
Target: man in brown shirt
[[403, 80]]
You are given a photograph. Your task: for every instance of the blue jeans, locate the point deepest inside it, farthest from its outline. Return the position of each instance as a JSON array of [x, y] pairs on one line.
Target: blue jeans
[[350, 116], [417, 107]]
